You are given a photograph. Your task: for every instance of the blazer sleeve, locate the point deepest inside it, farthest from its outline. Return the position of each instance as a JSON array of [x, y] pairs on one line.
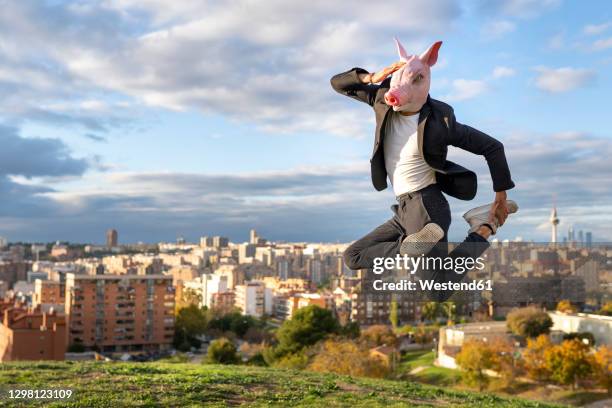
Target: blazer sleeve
[[474, 141], [348, 84]]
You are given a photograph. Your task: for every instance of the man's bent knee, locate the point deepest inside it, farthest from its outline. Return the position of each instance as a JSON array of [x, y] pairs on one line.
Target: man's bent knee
[[351, 258]]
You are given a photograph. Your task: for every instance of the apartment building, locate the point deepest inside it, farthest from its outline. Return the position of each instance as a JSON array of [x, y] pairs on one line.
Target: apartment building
[[30, 334], [119, 313], [207, 286], [285, 306], [49, 294], [253, 298]]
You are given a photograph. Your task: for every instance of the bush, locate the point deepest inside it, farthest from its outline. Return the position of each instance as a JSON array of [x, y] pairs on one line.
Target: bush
[[533, 357], [569, 362], [308, 326], [529, 322], [222, 351], [474, 358], [588, 336], [603, 367], [566, 306], [606, 309], [348, 358], [379, 335]]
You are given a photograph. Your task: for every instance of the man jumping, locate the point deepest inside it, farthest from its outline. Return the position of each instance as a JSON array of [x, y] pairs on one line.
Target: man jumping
[[413, 132]]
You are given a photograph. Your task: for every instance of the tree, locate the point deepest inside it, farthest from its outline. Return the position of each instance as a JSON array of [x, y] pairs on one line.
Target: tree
[[191, 322], [533, 357], [348, 358], [582, 336], [222, 351], [449, 309], [379, 335], [188, 297], [307, 326], [422, 335], [351, 330], [474, 358], [234, 322], [529, 322], [393, 314], [566, 306], [603, 367], [430, 310], [504, 360], [606, 309], [568, 362]]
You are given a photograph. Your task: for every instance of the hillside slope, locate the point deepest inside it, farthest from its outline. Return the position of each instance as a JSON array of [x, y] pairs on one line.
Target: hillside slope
[[165, 385]]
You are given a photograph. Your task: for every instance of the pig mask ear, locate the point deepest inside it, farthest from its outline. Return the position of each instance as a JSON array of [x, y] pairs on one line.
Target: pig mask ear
[[401, 51], [430, 56]]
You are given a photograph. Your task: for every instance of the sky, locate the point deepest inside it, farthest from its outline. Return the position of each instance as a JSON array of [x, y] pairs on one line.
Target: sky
[[164, 119]]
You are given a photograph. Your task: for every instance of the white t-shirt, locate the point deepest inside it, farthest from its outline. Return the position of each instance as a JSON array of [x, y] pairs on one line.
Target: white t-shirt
[[406, 168]]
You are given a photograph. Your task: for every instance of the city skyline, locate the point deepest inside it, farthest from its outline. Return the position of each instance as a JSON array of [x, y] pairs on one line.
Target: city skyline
[[156, 119]]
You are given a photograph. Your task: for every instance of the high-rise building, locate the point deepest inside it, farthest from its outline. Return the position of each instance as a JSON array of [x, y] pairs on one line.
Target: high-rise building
[[112, 238], [554, 220], [570, 234], [220, 242], [119, 313], [589, 239], [253, 238], [206, 242], [581, 238], [3, 242], [246, 253]]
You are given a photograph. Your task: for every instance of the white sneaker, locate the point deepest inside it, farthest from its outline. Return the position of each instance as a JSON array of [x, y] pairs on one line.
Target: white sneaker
[[422, 242], [479, 216]]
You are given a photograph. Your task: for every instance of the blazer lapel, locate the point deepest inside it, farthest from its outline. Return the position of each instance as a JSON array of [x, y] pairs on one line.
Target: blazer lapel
[[423, 115]]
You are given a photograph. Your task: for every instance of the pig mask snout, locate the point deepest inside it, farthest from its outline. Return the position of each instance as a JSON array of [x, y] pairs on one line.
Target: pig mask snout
[[391, 98], [409, 85]]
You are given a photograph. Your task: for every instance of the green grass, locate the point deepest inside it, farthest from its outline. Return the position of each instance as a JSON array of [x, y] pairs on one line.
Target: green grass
[[99, 384], [417, 358]]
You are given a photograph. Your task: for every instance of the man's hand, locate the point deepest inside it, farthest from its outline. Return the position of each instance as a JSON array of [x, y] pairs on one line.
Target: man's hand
[[382, 74], [499, 209]]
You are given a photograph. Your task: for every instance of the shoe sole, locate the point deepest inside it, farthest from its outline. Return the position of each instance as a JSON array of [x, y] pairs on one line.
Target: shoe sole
[[422, 242], [512, 208]]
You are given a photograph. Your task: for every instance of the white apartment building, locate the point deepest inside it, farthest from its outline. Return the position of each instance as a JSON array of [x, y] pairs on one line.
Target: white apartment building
[[254, 298], [207, 286]]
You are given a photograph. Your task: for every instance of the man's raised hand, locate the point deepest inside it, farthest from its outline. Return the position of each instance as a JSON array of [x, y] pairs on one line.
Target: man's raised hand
[[382, 74]]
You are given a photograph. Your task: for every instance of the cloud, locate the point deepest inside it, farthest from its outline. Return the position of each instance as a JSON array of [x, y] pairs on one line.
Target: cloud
[[594, 29], [309, 203], [30, 157], [22, 160], [462, 89], [557, 41], [602, 44], [563, 79], [496, 29], [249, 62], [502, 72]]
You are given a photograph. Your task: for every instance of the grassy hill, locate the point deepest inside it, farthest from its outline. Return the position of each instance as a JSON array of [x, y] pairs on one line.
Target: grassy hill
[[98, 384]]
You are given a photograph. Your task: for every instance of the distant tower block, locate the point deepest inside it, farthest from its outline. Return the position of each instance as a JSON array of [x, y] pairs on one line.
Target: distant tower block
[[554, 220], [112, 238]]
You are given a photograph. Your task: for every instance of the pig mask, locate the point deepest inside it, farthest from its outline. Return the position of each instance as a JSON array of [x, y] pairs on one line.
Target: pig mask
[[410, 84]]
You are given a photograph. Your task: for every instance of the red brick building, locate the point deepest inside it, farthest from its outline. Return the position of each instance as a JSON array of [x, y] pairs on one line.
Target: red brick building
[[120, 313]]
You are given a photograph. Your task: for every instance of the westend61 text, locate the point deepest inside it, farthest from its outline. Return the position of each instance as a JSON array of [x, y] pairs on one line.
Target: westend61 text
[[412, 264], [406, 285]]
